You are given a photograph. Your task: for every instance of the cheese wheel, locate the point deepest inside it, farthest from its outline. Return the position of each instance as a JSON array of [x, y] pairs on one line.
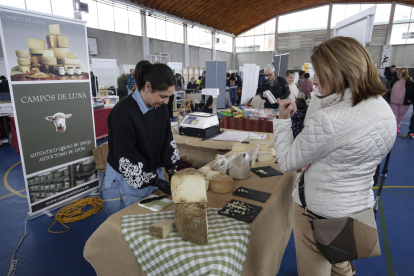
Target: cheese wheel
[[35, 70], [221, 184], [188, 186], [36, 43], [22, 53], [264, 156], [63, 41], [205, 169], [70, 55], [70, 61], [210, 174], [36, 51], [54, 29], [59, 52], [240, 172], [23, 61], [48, 53], [52, 41], [239, 147], [49, 60]]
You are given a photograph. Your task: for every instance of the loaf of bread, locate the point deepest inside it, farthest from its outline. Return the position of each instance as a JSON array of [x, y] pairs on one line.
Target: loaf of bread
[[191, 222], [188, 186], [221, 184]]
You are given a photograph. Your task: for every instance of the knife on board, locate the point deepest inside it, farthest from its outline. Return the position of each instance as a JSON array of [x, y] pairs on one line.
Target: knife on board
[[152, 199]]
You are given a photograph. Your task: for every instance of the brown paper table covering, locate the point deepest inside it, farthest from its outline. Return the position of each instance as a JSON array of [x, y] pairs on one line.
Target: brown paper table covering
[[199, 152], [109, 254], [247, 124]]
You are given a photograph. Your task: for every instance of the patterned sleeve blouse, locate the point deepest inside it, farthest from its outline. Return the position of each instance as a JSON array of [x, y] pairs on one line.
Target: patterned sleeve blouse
[[140, 141]]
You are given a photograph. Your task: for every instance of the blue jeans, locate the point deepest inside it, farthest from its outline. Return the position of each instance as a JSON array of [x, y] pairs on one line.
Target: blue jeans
[[233, 94], [129, 194]]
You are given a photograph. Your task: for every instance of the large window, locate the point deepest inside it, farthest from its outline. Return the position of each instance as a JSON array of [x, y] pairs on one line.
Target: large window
[[112, 16], [163, 28], [261, 38], [57, 7], [307, 20], [225, 43], [199, 37], [341, 12], [402, 29]]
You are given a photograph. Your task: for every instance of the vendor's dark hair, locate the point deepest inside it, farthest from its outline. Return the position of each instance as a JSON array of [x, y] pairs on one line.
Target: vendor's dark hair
[[301, 104], [209, 101], [159, 75]]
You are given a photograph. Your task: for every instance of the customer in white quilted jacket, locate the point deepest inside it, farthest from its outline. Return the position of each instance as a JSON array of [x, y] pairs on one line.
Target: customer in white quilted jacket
[[339, 147]]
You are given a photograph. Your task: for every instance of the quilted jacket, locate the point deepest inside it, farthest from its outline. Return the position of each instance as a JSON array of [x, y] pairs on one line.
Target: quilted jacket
[[344, 145]]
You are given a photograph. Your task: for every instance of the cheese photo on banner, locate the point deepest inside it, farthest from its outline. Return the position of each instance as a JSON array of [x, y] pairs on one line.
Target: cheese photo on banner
[[44, 49]]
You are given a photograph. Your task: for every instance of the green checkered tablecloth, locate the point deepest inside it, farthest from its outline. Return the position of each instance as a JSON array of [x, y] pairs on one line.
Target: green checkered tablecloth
[[225, 253]]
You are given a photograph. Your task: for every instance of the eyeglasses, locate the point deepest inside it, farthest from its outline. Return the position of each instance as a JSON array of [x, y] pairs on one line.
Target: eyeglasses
[[268, 75]]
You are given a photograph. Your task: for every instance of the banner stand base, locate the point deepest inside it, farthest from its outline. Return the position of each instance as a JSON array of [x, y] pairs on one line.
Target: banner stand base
[[63, 203]]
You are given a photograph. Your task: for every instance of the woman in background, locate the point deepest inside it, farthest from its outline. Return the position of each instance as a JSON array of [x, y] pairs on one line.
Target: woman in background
[[402, 94], [294, 91], [257, 101]]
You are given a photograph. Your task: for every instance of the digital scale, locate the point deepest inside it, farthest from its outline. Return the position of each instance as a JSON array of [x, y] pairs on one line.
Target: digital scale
[[200, 124]]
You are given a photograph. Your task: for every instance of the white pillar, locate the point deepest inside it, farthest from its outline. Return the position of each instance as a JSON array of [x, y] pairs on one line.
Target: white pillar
[[234, 63], [276, 27], [146, 54], [328, 27], [213, 45], [389, 30], [186, 47]]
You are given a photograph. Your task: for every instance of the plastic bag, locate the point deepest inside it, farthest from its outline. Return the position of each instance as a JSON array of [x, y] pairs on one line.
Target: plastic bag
[[220, 165]]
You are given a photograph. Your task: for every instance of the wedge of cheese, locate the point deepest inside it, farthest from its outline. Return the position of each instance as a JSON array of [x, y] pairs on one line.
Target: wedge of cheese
[[54, 29], [188, 186], [205, 169], [52, 41], [238, 147], [161, 228], [210, 174], [63, 41], [264, 156], [36, 43], [70, 55], [263, 147], [191, 222]]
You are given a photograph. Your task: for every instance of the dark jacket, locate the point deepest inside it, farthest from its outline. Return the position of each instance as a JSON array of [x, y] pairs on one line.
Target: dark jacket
[[280, 89], [409, 93], [4, 86], [391, 77], [262, 78], [95, 86], [192, 85], [129, 80], [239, 81], [121, 81]]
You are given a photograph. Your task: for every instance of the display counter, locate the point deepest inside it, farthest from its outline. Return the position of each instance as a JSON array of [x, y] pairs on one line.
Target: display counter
[[109, 253], [247, 124], [199, 153]]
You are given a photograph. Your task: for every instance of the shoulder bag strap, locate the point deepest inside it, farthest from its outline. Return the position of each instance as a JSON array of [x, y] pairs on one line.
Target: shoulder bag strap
[[301, 190]]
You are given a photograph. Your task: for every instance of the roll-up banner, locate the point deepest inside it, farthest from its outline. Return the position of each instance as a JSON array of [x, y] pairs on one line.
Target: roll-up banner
[[46, 59]]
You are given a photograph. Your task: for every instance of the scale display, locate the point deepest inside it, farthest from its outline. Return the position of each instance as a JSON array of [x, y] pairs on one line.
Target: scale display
[[191, 121]]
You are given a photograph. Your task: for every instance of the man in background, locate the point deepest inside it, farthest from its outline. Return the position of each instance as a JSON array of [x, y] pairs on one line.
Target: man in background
[[276, 85], [391, 76], [203, 81], [130, 83], [122, 88]]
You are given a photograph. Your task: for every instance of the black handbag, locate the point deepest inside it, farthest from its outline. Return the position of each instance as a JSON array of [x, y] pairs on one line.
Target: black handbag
[[347, 238]]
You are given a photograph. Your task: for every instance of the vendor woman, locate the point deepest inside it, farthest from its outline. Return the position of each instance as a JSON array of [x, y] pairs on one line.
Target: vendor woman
[[140, 139]]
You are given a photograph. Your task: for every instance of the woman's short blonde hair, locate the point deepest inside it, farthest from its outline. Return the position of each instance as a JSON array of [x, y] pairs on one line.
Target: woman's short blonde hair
[[404, 72], [342, 62]]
